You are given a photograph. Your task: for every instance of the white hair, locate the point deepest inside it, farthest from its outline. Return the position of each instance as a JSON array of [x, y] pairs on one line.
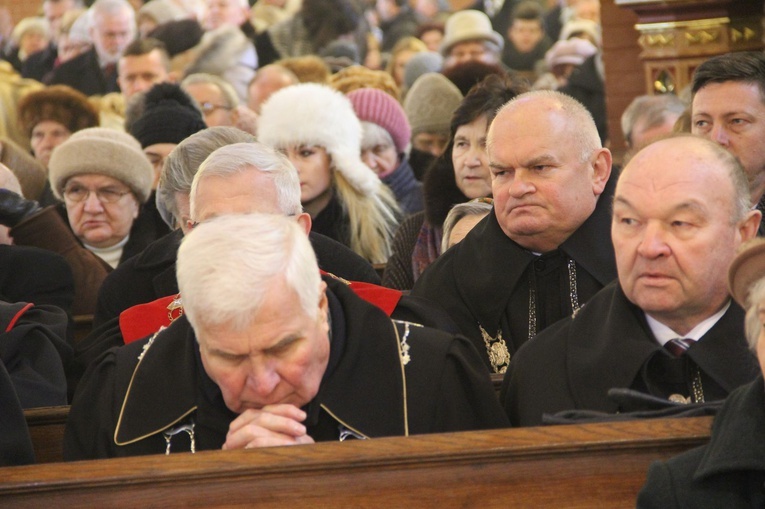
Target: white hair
[[227, 266], [373, 135], [110, 8], [459, 211], [241, 157], [183, 162]]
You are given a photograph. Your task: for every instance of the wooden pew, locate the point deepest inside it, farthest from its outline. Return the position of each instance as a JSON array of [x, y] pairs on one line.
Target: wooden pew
[[83, 324], [592, 465], [46, 428]]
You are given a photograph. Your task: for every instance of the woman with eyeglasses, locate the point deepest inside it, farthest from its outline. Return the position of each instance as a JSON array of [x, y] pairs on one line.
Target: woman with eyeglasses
[[103, 178]]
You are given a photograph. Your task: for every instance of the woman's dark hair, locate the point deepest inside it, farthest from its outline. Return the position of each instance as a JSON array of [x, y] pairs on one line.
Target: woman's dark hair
[[466, 75], [326, 20], [485, 98]]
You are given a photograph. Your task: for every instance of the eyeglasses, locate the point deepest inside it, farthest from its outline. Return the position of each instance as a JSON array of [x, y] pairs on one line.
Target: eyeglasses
[[77, 194], [208, 108]]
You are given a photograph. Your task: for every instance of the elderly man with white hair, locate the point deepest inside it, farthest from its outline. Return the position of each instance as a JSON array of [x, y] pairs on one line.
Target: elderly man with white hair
[[268, 353], [112, 28]]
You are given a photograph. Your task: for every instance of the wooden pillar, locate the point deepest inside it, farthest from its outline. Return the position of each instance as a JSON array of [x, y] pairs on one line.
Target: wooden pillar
[[624, 73]]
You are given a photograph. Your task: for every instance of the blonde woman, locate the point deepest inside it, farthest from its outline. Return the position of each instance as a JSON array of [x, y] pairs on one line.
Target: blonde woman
[[317, 129], [402, 53]]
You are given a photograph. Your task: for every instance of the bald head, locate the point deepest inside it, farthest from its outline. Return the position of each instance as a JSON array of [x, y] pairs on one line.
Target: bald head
[[569, 114], [681, 209], [548, 168], [268, 80]]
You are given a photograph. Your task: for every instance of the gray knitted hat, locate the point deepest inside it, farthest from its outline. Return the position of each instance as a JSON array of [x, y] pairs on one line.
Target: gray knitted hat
[[431, 102], [102, 151], [419, 64]]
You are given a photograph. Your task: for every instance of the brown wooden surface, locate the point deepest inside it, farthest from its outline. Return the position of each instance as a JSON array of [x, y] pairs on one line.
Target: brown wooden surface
[[46, 428], [595, 465], [624, 71], [83, 324]]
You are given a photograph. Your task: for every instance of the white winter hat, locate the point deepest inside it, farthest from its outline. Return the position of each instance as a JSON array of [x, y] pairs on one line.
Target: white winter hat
[[313, 114]]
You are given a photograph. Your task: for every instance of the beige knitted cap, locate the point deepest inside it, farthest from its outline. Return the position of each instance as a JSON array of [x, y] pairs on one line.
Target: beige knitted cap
[[430, 104], [102, 151]]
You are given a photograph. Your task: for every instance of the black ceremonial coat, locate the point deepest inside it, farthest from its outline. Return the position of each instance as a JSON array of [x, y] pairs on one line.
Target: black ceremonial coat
[[572, 364], [727, 472], [485, 278], [31, 274], [367, 389]]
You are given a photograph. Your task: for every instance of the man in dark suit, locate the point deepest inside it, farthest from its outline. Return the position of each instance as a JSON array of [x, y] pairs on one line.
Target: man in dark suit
[[112, 27], [667, 327]]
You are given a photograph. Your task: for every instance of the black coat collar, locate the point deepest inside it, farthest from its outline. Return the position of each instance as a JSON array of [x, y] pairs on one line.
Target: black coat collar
[[609, 341], [491, 264]]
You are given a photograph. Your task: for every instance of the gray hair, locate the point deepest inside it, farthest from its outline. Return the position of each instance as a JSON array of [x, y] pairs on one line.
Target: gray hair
[[653, 110], [459, 211], [752, 323], [373, 135], [227, 267], [183, 162], [742, 198], [241, 157], [581, 125], [110, 7], [226, 89]]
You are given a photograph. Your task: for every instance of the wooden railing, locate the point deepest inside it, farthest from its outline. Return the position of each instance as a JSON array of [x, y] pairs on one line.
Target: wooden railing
[[591, 465]]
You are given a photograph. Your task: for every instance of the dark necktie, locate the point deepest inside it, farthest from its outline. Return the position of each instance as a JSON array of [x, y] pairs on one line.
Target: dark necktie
[[679, 346], [110, 71]]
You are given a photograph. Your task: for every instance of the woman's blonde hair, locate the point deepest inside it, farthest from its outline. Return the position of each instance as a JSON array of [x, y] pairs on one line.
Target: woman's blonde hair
[[409, 43], [372, 218]]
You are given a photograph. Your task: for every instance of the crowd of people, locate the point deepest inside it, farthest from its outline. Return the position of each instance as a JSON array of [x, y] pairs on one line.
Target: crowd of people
[[295, 222]]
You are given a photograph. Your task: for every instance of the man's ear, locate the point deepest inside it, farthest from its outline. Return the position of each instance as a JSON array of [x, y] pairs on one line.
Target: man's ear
[[304, 220], [601, 170], [749, 225], [323, 303]]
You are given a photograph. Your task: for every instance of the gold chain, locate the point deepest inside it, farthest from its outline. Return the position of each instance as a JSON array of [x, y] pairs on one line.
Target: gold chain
[[496, 348]]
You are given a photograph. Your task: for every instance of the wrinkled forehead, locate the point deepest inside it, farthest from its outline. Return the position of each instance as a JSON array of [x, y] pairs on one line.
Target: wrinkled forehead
[[245, 192], [686, 166]]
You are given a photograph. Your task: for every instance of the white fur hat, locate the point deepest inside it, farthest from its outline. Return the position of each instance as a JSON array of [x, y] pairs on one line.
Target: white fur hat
[[313, 114]]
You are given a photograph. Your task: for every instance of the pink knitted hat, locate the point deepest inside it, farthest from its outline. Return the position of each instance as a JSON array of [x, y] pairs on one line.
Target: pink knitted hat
[[378, 107]]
